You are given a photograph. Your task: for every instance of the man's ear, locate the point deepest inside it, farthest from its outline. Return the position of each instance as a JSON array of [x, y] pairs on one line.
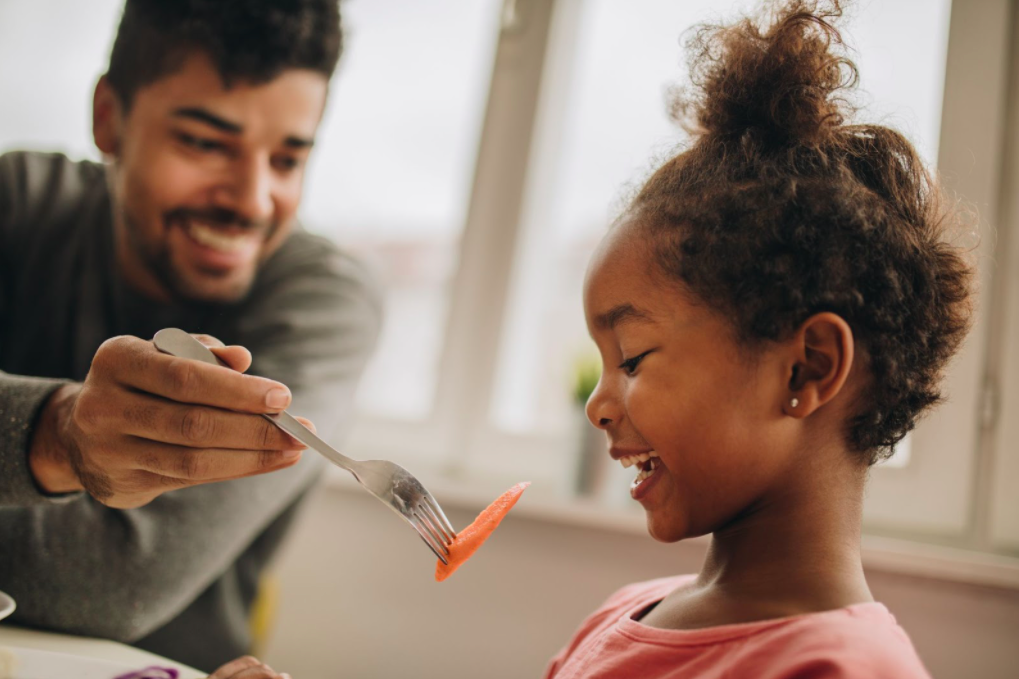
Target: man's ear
[[107, 119], [820, 364]]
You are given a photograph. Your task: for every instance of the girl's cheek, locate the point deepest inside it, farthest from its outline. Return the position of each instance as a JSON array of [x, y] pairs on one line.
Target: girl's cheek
[[641, 405]]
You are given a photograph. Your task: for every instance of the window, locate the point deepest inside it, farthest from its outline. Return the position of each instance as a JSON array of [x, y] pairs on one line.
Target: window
[[476, 151], [1002, 450], [48, 73], [392, 172], [604, 123], [586, 147], [603, 119]]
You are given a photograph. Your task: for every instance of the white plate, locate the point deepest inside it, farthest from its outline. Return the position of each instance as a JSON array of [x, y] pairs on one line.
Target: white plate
[[29, 663], [6, 606]]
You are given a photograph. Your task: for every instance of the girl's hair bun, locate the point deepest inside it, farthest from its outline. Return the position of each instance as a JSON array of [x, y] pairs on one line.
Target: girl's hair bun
[[775, 86], [778, 209]]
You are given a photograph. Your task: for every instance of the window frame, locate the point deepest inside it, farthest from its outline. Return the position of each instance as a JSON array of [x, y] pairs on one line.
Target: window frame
[[940, 496], [998, 520], [936, 496], [481, 283]]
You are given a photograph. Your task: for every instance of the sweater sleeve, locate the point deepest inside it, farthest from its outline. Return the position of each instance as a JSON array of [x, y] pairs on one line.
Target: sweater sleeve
[[84, 568], [21, 398]]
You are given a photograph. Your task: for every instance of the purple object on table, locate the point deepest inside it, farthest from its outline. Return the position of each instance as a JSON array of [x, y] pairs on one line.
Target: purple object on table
[[151, 673]]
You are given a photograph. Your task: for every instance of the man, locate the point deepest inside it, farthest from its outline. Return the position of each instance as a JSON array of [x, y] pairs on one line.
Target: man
[[134, 502]]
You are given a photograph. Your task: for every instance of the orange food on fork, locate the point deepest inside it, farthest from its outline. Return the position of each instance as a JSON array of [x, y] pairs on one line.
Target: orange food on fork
[[473, 536]]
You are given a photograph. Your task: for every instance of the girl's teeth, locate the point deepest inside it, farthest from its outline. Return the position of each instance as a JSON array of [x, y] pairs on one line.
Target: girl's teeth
[[631, 460], [646, 470]]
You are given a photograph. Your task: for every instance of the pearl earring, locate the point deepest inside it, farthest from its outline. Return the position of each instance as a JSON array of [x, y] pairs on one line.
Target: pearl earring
[[795, 402]]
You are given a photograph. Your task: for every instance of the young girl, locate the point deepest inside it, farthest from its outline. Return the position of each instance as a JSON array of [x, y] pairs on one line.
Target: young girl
[[774, 311]]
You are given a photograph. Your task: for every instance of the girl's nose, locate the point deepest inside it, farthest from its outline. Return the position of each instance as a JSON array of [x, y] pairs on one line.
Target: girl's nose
[[602, 407]]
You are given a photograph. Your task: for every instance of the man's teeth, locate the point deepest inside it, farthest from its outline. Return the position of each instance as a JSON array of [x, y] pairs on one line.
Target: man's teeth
[[631, 460], [214, 239]]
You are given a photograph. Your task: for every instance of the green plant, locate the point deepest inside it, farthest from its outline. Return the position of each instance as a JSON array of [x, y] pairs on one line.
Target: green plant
[[586, 373]]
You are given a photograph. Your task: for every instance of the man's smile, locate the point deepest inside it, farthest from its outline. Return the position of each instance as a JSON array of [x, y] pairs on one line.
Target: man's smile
[[224, 240], [215, 244]]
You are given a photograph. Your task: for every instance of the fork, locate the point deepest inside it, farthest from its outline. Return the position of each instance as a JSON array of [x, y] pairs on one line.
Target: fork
[[388, 481]]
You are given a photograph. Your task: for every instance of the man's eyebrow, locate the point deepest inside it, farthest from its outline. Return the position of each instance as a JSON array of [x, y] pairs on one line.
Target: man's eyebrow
[[621, 313], [204, 116], [224, 125]]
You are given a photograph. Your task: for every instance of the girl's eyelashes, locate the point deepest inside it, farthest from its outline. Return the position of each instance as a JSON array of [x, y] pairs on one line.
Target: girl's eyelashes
[[630, 364]]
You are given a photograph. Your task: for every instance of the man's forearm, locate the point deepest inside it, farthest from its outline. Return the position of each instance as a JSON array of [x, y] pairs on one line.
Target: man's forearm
[[22, 400], [48, 457]]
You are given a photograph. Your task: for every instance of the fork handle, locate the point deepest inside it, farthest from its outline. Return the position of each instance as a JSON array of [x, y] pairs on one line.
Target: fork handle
[[178, 343]]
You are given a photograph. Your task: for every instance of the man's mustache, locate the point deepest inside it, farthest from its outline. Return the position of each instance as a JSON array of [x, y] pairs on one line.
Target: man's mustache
[[217, 216]]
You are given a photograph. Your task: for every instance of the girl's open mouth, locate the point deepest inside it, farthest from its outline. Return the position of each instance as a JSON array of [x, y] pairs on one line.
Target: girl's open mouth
[[646, 477]]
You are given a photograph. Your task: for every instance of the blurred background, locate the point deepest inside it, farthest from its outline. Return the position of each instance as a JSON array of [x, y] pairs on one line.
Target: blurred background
[[475, 151]]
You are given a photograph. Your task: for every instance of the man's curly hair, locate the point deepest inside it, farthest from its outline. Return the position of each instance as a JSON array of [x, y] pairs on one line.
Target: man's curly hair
[[251, 41], [778, 209]]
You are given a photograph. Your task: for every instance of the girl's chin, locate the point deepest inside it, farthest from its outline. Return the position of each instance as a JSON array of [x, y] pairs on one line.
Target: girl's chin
[[665, 529]]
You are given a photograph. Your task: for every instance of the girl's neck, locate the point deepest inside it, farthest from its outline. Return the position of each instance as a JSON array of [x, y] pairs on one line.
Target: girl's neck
[[797, 552], [806, 559]]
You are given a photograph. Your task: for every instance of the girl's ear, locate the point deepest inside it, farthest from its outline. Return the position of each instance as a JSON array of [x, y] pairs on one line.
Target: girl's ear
[[823, 357], [106, 119]]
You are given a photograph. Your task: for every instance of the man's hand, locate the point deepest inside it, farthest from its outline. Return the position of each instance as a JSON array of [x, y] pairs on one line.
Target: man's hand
[[145, 422], [246, 668]]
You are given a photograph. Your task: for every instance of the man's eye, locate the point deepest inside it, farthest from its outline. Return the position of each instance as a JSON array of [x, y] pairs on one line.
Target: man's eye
[[200, 144], [285, 163], [630, 364]]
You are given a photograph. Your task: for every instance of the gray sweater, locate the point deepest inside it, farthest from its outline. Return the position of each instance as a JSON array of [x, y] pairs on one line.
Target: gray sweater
[[178, 575]]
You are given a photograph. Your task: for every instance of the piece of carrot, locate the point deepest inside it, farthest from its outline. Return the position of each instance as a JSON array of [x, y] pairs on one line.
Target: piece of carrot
[[473, 536]]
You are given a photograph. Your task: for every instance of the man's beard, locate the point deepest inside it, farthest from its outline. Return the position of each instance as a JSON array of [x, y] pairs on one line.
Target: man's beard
[[157, 258]]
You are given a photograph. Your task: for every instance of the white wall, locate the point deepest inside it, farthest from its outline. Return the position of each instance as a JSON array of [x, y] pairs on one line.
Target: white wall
[[359, 600]]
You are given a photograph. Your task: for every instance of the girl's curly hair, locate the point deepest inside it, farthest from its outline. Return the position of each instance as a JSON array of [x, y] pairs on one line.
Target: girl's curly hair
[[778, 209]]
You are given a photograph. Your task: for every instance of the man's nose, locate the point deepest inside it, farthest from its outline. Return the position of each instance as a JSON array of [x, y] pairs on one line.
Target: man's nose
[[602, 406], [251, 189]]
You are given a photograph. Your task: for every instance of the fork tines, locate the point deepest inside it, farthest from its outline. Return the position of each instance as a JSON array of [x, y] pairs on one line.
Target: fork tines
[[433, 527]]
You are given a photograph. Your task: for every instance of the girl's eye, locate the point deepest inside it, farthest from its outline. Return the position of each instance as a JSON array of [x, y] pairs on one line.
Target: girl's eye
[[630, 364]]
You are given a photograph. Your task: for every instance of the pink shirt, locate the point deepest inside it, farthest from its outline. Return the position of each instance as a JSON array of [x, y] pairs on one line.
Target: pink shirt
[[859, 641]]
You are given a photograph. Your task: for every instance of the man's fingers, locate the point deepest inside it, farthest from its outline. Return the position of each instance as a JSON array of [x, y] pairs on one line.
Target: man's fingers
[[137, 364], [263, 672], [234, 666], [208, 340], [156, 419], [143, 367], [150, 485], [188, 381], [202, 465], [236, 357], [246, 668]]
